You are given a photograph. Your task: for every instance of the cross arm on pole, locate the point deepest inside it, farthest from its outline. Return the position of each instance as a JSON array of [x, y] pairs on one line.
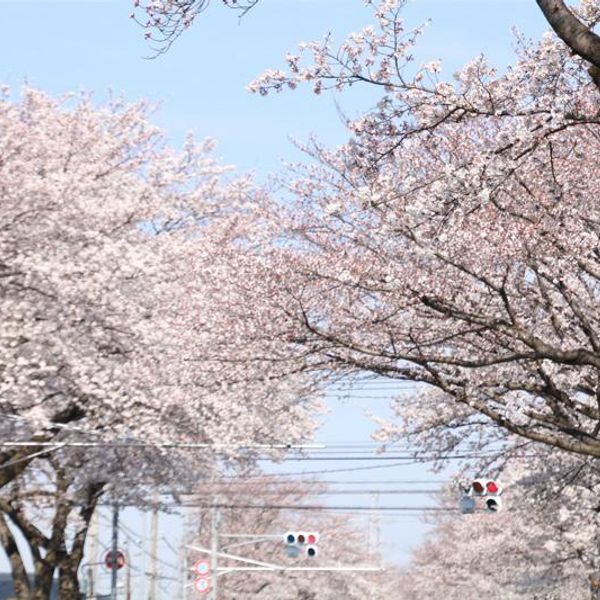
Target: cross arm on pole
[[349, 569], [259, 563]]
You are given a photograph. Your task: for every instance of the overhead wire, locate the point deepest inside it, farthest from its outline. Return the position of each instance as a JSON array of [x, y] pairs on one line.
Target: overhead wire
[[328, 471], [135, 540], [281, 482], [316, 452], [313, 507], [314, 492]]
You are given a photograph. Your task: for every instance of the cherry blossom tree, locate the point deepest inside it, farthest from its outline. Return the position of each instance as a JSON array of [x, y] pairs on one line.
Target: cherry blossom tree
[[165, 20], [103, 232], [52, 515], [452, 242], [542, 544]]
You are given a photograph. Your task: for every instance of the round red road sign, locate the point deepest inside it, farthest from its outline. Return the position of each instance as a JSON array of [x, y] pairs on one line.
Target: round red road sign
[[108, 560], [202, 567], [202, 585]]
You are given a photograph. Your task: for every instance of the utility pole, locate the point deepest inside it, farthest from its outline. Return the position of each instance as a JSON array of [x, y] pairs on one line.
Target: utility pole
[[214, 547], [92, 565], [153, 549], [184, 569], [377, 527], [370, 529], [128, 587], [114, 550]]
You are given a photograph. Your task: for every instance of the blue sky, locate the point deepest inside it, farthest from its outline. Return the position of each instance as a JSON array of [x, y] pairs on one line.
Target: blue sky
[[70, 45], [64, 46]]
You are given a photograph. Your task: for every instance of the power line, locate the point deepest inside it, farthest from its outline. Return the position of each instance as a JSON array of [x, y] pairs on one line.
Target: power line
[[219, 448], [133, 537], [268, 480], [191, 445], [311, 493], [315, 507], [324, 471]]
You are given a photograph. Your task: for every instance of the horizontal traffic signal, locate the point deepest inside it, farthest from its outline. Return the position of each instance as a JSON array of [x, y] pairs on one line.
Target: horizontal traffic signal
[[297, 541]]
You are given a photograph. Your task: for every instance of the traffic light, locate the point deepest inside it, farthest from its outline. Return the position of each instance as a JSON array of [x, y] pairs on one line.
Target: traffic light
[[297, 542], [491, 490]]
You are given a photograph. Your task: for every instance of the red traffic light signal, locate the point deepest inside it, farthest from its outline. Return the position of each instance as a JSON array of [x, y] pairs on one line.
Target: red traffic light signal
[[492, 487], [486, 487]]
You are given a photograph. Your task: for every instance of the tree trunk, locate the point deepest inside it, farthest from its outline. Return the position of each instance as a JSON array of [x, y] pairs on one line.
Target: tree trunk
[[595, 587], [68, 584], [42, 583], [574, 33], [19, 574]]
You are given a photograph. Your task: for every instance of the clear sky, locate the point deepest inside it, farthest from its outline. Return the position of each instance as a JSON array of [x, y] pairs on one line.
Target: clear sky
[[70, 45]]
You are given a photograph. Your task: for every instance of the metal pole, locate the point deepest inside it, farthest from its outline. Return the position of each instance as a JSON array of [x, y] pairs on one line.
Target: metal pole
[[214, 547], [114, 550], [370, 528], [92, 565], [128, 580], [153, 549], [378, 530], [184, 575]]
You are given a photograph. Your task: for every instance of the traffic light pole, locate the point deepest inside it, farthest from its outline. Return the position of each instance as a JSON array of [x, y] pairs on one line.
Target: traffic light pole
[[184, 574], [214, 549], [154, 548], [259, 565], [91, 569], [114, 551]]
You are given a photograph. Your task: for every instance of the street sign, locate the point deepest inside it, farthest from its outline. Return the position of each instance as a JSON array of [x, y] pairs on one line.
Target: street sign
[[202, 585], [202, 567], [108, 560], [202, 581]]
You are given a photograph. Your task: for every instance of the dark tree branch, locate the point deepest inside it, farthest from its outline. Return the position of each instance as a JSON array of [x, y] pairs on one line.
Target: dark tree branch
[[574, 33], [8, 542]]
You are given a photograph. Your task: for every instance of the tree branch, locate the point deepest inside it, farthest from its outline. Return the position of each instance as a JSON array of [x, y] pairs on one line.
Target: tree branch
[[20, 579], [574, 33]]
